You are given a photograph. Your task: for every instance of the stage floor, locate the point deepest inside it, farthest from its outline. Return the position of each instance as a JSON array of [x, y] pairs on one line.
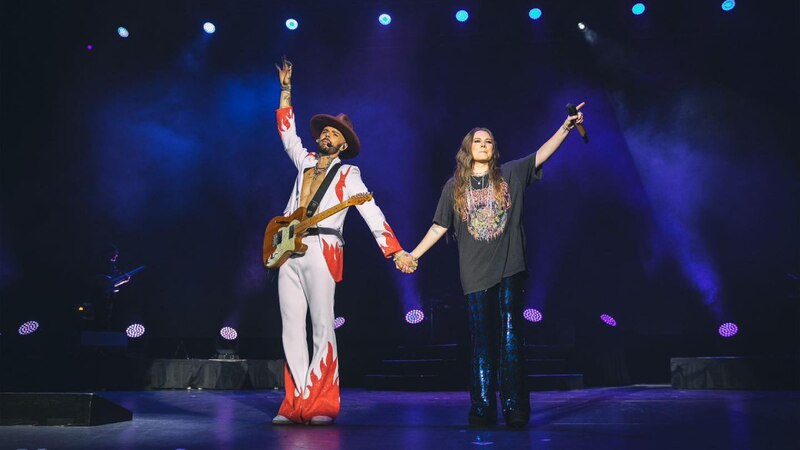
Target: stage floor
[[633, 417]]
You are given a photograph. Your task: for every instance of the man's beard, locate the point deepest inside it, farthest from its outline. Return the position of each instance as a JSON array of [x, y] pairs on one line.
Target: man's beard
[[326, 148]]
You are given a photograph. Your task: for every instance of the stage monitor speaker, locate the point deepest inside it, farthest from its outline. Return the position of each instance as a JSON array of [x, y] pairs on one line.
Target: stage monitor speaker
[[32, 408], [736, 372]]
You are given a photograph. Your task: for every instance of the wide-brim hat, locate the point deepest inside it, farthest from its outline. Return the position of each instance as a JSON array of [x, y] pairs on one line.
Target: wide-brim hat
[[345, 126]]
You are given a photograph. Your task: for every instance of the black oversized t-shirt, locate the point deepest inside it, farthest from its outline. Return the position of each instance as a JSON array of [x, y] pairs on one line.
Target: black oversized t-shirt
[[484, 263]]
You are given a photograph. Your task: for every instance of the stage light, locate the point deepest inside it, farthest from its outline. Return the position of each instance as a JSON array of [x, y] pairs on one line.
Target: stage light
[[135, 330], [638, 9], [415, 316], [209, 28], [728, 5], [535, 13], [462, 15], [608, 320], [28, 327], [728, 329], [291, 24], [339, 321], [227, 344], [581, 26], [532, 315], [385, 19], [123, 32], [228, 333]]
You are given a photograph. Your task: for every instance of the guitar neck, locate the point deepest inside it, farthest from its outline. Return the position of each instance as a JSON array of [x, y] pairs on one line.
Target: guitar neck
[[311, 221]]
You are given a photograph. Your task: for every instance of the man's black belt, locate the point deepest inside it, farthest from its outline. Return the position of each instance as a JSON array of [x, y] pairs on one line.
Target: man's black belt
[[322, 230]]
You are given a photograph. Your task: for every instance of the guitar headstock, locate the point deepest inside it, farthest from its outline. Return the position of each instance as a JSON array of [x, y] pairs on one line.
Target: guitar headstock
[[359, 199]]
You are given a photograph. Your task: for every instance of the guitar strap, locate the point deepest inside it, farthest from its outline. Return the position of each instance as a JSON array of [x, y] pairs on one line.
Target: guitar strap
[[323, 188]]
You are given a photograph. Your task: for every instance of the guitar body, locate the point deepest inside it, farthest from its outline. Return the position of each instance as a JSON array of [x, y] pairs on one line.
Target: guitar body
[[284, 234], [280, 240]]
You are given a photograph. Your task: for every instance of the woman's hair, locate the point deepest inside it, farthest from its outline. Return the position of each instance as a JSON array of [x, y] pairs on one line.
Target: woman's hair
[[461, 180]]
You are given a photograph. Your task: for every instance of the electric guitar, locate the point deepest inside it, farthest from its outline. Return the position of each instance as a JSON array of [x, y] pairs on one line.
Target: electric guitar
[[284, 234], [125, 277], [112, 283]]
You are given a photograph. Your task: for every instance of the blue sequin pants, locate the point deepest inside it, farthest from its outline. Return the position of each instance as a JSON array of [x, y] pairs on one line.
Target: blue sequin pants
[[495, 317]]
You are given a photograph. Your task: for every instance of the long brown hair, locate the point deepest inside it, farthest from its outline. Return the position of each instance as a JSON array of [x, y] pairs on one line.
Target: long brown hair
[[463, 171]]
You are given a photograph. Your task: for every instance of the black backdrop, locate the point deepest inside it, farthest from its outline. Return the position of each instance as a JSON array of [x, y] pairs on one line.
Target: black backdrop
[[680, 215]]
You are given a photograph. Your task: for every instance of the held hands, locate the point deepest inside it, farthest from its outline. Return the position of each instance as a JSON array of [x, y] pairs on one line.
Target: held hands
[[285, 74], [573, 121], [405, 262]]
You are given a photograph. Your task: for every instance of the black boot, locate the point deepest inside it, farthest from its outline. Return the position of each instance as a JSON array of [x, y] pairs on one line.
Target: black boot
[[517, 418], [482, 415]]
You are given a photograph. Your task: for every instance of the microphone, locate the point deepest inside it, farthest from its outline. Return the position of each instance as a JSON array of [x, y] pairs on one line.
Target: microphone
[[572, 111], [328, 145]]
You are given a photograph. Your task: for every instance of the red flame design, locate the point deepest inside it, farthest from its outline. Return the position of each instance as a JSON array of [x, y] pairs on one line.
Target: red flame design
[[291, 407], [323, 398], [392, 244], [284, 116], [340, 185], [334, 257]]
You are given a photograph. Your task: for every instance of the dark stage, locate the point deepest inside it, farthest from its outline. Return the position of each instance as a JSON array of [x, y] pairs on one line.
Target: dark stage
[[142, 156], [633, 417]]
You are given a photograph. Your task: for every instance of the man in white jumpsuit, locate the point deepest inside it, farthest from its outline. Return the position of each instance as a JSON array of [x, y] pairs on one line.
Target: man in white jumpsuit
[[306, 283]]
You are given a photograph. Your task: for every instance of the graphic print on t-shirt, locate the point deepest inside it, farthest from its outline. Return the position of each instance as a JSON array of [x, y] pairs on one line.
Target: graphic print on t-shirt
[[486, 219]]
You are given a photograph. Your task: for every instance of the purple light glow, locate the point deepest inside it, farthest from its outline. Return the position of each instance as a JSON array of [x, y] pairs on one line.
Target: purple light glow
[[608, 320], [679, 208], [135, 330], [89, 47], [728, 329], [415, 316], [228, 333], [339, 321], [532, 315], [28, 327]]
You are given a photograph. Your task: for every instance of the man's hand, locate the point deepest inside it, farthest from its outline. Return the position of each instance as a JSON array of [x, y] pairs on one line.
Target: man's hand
[[285, 77], [285, 74]]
